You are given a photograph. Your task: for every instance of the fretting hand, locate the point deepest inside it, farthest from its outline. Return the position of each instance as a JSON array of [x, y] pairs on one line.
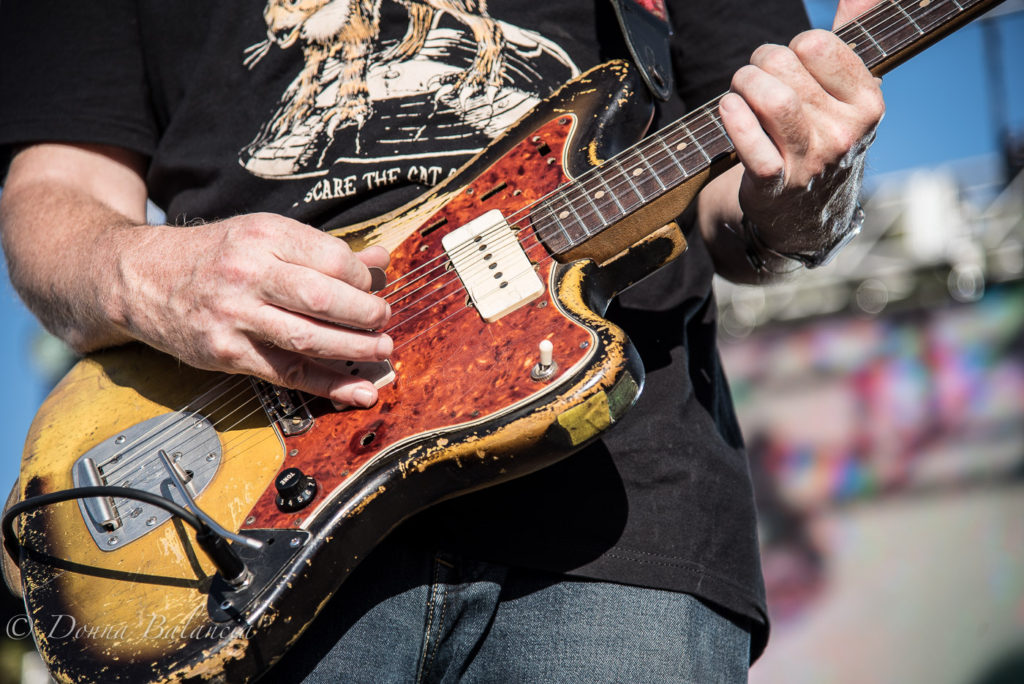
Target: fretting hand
[[801, 118]]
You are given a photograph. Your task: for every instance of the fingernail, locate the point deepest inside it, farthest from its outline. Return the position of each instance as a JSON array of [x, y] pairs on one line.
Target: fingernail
[[385, 345], [363, 396]]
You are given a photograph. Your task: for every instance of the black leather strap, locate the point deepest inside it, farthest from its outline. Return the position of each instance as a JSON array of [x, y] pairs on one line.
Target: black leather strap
[[647, 30]]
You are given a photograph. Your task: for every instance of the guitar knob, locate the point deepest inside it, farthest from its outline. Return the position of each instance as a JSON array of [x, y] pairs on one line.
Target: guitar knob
[[295, 489]]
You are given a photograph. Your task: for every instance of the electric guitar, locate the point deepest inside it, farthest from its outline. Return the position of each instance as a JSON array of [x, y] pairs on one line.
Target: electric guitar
[[503, 365]]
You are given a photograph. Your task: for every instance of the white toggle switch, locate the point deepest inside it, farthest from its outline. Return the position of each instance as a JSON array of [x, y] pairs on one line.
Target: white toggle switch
[[546, 365], [546, 348]]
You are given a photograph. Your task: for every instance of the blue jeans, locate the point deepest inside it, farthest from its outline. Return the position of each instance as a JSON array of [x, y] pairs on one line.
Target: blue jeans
[[411, 616]]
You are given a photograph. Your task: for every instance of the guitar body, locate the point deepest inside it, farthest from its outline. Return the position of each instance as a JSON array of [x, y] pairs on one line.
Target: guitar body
[[463, 412]]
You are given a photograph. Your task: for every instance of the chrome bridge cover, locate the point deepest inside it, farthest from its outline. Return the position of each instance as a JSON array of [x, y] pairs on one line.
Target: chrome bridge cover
[[131, 459]]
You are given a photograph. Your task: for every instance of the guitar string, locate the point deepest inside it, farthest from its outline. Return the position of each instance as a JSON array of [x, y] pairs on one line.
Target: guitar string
[[572, 194], [641, 150], [123, 459], [878, 9], [881, 32], [577, 186]]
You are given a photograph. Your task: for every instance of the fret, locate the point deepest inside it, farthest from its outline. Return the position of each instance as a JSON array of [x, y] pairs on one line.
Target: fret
[[700, 147], [720, 144], [670, 155], [677, 144], [567, 219], [624, 189], [931, 14], [895, 32], [549, 229], [684, 151], [909, 18], [582, 222], [593, 196], [607, 190], [866, 47], [866, 34], [638, 172], [646, 159], [958, 6]]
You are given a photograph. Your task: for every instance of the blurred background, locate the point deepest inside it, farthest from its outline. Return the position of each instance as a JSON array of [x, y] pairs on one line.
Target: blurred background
[[882, 397]]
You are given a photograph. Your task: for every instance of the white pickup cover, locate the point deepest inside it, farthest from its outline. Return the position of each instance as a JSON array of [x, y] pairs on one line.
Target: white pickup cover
[[493, 265]]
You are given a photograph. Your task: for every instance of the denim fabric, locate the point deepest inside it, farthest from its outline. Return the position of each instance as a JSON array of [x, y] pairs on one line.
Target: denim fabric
[[412, 616]]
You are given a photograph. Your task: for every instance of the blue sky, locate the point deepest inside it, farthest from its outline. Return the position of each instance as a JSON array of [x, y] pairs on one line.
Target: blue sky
[[938, 110]]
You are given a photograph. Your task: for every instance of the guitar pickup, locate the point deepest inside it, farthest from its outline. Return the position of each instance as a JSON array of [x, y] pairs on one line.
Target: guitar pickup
[[493, 266]]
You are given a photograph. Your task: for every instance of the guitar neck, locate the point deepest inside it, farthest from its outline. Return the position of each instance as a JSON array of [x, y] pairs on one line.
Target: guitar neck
[[883, 37]]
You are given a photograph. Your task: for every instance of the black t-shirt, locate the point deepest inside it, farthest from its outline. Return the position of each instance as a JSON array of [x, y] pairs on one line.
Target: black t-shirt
[[250, 106]]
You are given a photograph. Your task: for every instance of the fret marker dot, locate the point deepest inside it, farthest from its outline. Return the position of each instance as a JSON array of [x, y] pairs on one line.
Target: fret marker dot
[[564, 214], [680, 147], [853, 46], [925, 3], [599, 194], [637, 171]]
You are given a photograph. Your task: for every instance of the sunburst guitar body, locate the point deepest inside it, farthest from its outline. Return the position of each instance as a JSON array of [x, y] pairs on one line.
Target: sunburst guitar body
[[522, 249], [118, 591]]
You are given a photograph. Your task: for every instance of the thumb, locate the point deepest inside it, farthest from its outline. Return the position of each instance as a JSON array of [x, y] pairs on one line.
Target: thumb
[[851, 9], [374, 256]]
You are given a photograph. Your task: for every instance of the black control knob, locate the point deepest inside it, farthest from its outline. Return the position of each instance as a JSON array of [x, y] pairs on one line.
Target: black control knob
[[295, 489]]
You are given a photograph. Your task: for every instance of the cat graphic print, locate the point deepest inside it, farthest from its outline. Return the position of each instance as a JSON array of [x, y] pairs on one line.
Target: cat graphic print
[[360, 100]]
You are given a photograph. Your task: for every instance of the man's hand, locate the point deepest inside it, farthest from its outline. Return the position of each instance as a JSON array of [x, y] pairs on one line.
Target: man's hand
[[258, 294], [801, 118]]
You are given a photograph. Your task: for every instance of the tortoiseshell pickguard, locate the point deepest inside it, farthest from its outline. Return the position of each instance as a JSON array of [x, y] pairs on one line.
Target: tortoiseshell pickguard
[[452, 368]]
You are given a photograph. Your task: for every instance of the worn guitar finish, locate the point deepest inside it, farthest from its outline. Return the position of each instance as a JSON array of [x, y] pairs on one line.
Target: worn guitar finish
[[463, 412], [116, 593]]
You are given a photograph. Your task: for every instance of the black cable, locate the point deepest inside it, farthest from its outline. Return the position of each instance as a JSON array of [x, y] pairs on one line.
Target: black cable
[[216, 547]]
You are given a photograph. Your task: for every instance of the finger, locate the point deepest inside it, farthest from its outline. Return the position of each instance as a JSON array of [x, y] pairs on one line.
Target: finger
[[833, 67], [755, 149], [305, 374], [782, 63], [314, 338], [376, 259], [314, 294], [375, 256], [851, 9], [311, 248], [777, 108]]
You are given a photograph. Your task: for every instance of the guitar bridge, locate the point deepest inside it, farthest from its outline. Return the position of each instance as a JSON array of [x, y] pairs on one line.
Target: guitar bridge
[[131, 459], [288, 408]]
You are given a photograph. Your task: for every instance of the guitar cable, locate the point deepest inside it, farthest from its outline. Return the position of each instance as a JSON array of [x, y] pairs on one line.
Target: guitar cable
[[228, 563]]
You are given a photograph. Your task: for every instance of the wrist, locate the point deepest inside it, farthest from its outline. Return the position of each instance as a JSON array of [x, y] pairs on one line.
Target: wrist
[[765, 259]]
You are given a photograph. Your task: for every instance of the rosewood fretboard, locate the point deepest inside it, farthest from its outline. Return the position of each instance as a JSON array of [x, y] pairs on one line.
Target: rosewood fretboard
[[884, 37]]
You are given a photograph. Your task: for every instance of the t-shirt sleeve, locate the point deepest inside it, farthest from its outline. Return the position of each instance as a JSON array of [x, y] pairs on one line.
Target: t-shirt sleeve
[[72, 71], [714, 38]]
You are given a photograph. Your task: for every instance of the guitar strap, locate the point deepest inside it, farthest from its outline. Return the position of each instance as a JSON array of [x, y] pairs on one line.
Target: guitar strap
[[647, 30]]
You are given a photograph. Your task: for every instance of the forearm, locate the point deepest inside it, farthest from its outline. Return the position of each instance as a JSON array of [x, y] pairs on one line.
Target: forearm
[[61, 246], [258, 294]]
